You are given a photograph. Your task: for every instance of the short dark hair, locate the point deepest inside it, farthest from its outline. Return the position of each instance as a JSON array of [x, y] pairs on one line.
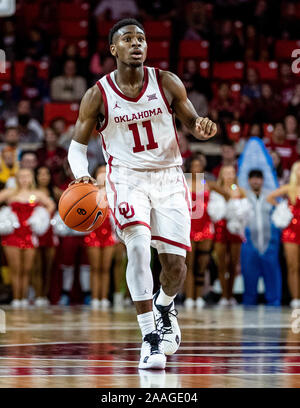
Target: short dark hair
[[229, 143], [255, 173], [28, 152], [123, 23], [7, 129]]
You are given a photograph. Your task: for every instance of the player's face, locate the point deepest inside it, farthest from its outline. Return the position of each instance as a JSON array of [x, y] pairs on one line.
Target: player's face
[[130, 46]]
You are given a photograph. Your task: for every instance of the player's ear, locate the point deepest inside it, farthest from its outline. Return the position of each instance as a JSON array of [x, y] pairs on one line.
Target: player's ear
[[113, 50]]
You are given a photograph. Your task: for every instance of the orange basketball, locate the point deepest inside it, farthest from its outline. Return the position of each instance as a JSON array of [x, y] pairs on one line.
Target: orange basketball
[[83, 207]]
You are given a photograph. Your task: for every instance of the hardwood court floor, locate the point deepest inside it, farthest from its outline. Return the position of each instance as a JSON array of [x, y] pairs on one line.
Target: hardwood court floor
[[78, 347]]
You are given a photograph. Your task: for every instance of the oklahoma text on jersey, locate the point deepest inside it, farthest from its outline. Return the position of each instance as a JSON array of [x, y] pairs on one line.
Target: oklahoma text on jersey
[[139, 115], [138, 133]]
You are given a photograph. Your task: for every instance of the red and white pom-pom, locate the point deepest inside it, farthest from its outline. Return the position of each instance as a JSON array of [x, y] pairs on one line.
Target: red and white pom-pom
[[61, 229], [39, 220], [282, 215], [235, 227], [8, 221], [238, 212], [216, 207]]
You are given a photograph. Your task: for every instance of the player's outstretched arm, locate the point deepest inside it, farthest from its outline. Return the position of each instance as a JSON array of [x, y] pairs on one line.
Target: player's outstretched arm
[[88, 113], [201, 128]]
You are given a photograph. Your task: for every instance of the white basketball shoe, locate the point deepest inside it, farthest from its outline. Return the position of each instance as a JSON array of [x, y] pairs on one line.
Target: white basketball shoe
[[152, 353], [167, 324]]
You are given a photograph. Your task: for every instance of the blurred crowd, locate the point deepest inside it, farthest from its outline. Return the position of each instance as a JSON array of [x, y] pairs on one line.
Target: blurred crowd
[[251, 93]]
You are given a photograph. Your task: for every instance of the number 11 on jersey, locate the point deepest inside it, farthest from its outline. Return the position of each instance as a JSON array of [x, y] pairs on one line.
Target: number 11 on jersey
[[138, 147]]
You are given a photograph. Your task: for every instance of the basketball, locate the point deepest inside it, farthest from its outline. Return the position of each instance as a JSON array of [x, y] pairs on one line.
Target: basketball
[[83, 207]]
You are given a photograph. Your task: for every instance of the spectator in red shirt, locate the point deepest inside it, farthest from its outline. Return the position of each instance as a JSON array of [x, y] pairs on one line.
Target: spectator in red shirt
[[294, 106], [268, 107], [292, 129], [228, 154], [285, 149], [223, 106], [51, 155], [286, 83]]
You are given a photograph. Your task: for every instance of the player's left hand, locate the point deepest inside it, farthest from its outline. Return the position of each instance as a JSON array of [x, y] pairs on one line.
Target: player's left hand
[[205, 128]]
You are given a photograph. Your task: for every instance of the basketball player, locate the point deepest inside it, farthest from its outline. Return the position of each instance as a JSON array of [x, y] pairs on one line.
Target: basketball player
[[145, 185]]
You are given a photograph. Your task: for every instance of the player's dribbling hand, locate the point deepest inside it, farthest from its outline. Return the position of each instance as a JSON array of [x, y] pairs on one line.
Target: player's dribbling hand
[[205, 128], [84, 179]]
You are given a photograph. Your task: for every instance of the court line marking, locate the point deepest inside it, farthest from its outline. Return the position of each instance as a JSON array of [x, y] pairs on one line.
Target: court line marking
[[242, 355], [266, 342], [248, 347], [257, 355], [231, 348], [138, 375], [169, 365], [112, 328], [173, 362], [62, 359]]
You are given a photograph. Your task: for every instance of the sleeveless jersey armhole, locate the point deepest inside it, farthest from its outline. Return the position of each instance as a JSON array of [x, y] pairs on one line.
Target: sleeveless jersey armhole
[[105, 106], [158, 78]]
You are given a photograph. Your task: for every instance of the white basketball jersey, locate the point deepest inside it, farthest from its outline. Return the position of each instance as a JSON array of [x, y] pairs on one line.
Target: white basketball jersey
[[140, 132]]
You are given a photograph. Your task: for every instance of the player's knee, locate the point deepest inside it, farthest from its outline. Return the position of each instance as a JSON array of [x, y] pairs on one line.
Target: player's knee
[[177, 270], [136, 254], [137, 241]]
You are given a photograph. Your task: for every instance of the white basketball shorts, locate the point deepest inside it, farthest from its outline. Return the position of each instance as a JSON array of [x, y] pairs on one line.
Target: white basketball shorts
[[158, 199]]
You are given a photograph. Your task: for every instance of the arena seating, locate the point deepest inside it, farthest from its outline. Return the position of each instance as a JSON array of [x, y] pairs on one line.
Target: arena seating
[[193, 49], [284, 48], [158, 30], [69, 111], [76, 12], [19, 68], [266, 70], [228, 70], [74, 29], [158, 50]]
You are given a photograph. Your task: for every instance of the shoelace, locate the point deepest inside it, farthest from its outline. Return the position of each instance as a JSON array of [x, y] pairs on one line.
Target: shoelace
[[167, 328], [154, 340]]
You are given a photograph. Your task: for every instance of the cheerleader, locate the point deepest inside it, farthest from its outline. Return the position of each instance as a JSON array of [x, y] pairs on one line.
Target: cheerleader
[[47, 242], [21, 221], [290, 219], [202, 234], [100, 249], [229, 232]]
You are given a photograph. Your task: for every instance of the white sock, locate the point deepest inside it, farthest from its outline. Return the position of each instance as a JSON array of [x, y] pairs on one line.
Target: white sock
[[84, 277], [146, 322], [68, 277], [163, 299]]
